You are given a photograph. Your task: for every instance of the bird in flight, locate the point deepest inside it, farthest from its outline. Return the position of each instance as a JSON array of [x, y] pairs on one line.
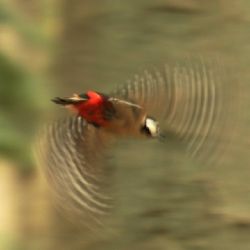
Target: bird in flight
[[188, 99], [115, 115]]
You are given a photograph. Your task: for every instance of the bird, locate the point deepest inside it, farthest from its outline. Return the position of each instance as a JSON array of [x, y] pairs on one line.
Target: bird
[[115, 115], [188, 99]]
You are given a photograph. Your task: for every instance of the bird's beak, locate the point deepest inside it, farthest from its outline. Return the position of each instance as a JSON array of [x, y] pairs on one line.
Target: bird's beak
[[69, 100]]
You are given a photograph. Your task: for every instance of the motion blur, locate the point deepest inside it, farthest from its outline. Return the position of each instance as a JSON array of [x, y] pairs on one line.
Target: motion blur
[[184, 62]]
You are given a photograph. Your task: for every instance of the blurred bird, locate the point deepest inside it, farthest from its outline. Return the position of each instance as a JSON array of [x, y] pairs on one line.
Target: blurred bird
[[188, 99], [115, 115]]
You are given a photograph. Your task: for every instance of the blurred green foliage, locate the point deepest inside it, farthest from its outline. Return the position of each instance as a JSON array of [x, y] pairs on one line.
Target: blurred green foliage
[[16, 104], [21, 89], [31, 31]]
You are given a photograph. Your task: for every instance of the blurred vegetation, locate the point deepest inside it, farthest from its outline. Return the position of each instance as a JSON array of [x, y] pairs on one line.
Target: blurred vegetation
[[22, 81]]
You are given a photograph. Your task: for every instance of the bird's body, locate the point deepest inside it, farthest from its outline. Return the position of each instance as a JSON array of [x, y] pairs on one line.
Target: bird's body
[[116, 116], [97, 109]]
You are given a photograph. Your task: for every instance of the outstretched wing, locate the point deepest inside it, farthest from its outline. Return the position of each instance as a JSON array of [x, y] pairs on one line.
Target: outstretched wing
[[72, 151], [193, 100]]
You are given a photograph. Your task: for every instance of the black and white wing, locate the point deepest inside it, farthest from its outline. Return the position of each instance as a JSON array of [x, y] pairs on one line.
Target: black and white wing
[[191, 99], [72, 151]]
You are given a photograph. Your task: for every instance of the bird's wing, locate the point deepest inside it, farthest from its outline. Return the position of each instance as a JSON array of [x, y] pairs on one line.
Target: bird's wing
[[124, 102], [192, 99], [71, 151]]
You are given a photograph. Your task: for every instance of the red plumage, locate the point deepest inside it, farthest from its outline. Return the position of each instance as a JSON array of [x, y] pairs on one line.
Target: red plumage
[[95, 109]]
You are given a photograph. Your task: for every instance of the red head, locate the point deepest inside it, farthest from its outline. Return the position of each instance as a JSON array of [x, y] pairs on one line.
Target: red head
[[92, 106]]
